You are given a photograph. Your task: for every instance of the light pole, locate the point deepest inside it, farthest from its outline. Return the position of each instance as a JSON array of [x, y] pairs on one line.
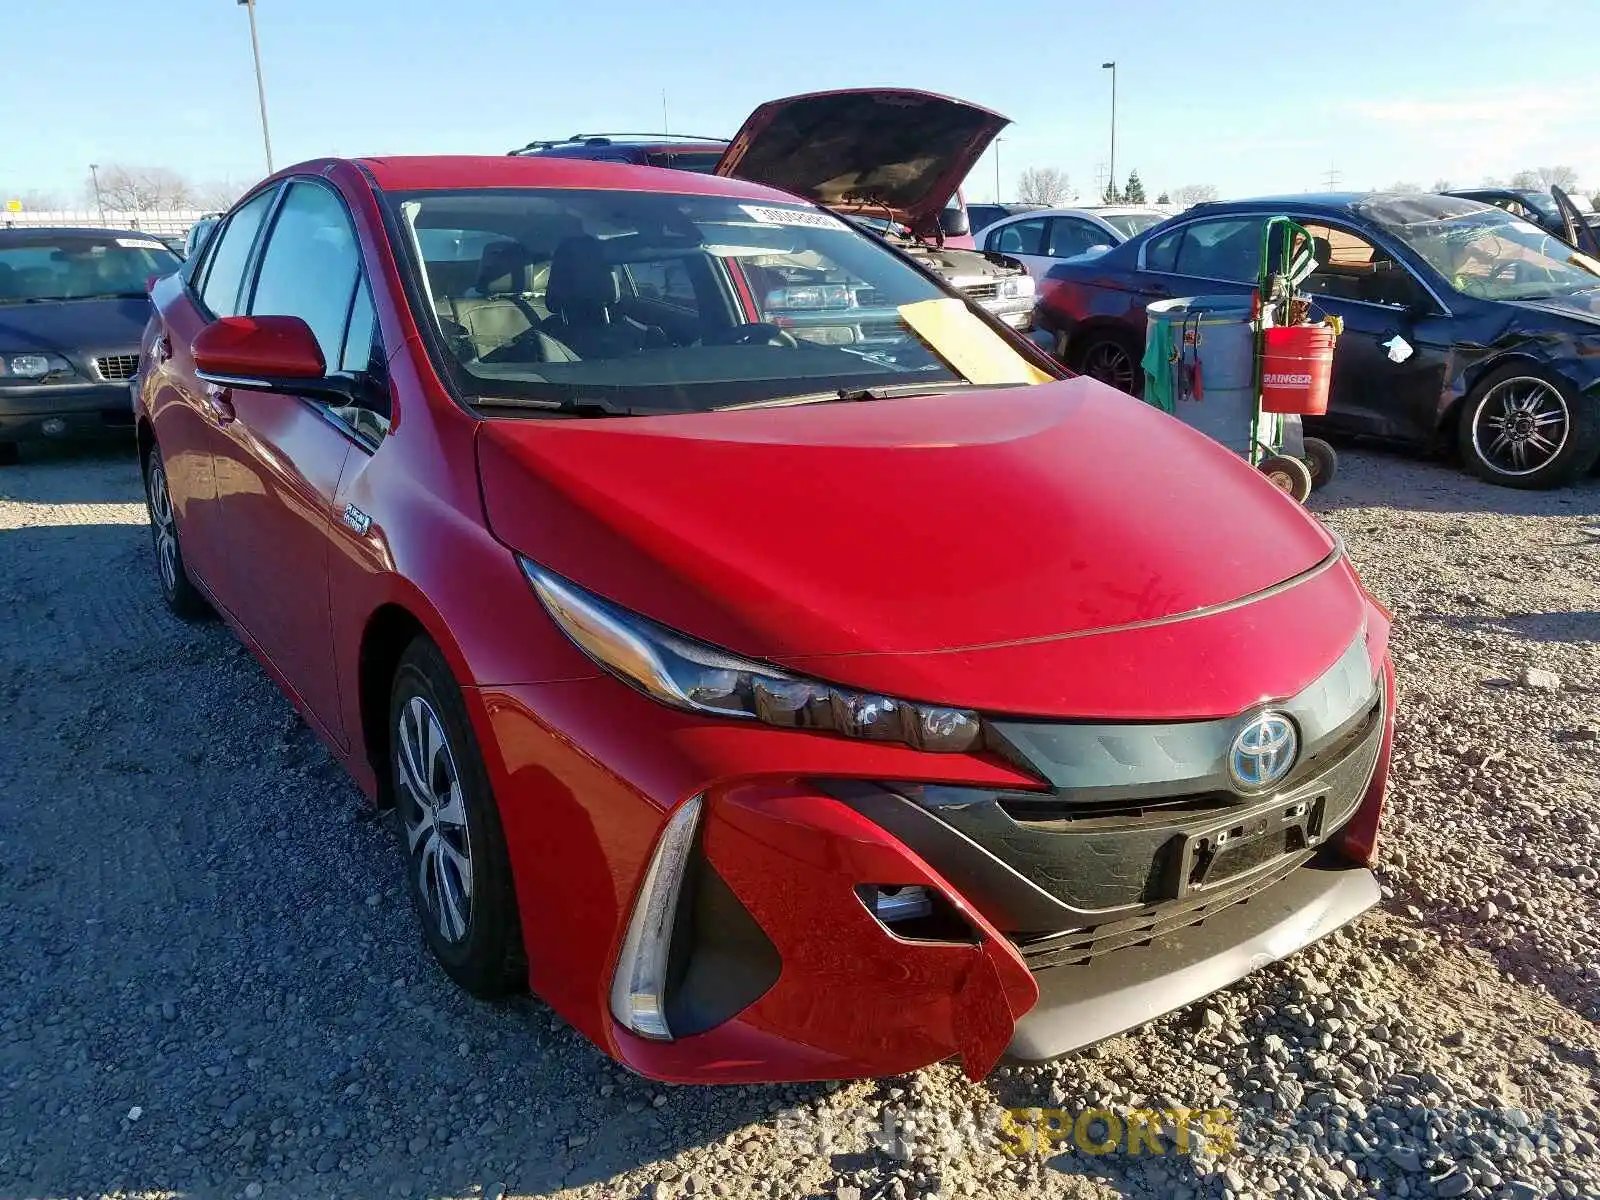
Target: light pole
[[261, 88], [997, 142], [1112, 67], [94, 174]]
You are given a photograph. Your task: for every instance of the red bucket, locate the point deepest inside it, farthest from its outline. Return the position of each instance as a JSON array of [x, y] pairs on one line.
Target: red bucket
[[1296, 368]]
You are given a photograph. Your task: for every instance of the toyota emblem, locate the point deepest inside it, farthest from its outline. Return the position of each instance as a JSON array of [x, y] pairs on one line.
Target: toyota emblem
[[1263, 752]]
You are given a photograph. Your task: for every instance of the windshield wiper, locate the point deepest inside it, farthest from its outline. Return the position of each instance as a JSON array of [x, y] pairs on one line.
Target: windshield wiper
[[580, 407], [856, 395]]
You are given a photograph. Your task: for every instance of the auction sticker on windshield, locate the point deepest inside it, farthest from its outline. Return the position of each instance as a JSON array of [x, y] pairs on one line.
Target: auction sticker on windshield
[[807, 217]]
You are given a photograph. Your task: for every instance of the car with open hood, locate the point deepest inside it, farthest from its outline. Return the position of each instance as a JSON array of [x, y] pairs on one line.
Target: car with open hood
[[890, 160], [577, 573], [1465, 328], [72, 308]]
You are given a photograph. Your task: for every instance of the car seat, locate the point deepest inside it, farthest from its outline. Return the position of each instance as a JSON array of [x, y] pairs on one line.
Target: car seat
[[584, 298]]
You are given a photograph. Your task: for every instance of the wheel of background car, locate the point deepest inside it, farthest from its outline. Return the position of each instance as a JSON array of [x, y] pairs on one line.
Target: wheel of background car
[[1524, 426], [181, 596], [457, 868], [1288, 475], [754, 333], [1322, 461], [9, 453], [1110, 358]]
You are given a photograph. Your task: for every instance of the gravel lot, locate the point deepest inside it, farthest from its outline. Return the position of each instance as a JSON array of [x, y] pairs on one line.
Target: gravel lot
[[211, 983]]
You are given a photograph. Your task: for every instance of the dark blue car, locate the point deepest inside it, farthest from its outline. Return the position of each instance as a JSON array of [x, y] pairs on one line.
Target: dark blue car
[[1463, 324], [73, 307]]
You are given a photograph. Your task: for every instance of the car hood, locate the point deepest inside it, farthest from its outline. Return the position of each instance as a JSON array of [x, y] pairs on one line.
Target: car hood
[[68, 326], [1582, 306], [979, 518], [880, 150]]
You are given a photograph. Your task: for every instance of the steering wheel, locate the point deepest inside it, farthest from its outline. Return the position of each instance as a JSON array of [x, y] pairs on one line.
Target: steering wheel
[[754, 333]]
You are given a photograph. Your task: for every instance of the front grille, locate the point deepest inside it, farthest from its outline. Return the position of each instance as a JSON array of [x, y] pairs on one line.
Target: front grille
[[1082, 945], [117, 367], [982, 291]]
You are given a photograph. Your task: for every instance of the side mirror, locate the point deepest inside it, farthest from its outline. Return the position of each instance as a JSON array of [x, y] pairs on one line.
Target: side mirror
[[954, 222], [264, 354]]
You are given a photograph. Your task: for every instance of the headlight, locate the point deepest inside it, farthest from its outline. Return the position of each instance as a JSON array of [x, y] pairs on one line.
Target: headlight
[[812, 296], [1019, 287], [32, 366], [687, 674]]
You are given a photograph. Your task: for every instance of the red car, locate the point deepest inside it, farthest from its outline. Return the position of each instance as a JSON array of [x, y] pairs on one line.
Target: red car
[[759, 668]]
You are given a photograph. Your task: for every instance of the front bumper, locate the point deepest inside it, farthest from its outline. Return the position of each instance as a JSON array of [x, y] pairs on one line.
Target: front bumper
[[38, 412], [782, 972]]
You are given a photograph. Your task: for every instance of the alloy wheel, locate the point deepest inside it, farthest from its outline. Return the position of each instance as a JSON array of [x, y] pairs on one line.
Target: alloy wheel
[[434, 814], [1521, 424], [163, 528], [1110, 362]]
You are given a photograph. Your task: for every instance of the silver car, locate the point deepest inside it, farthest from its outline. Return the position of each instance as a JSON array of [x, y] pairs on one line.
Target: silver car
[[1043, 238]]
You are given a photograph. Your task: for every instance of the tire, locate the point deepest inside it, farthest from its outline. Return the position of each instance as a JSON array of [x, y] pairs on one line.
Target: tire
[[10, 453], [1112, 358], [1526, 427], [1289, 475], [457, 869], [181, 596], [1323, 462]]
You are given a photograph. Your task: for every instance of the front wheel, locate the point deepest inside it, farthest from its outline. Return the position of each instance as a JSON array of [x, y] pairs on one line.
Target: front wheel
[[1526, 427], [457, 867]]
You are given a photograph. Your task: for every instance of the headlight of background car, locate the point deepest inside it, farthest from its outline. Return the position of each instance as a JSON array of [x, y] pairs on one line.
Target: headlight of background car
[[687, 674], [1018, 287], [32, 367]]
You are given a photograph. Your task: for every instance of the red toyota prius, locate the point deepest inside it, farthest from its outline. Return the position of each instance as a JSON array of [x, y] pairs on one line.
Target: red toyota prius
[[768, 656]]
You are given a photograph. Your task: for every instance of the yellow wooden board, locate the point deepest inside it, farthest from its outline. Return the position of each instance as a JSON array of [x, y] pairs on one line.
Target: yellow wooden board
[[974, 351]]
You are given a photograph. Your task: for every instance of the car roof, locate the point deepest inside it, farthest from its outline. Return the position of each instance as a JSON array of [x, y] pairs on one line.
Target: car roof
[[1325, 201], [420, 173], [8, 233]]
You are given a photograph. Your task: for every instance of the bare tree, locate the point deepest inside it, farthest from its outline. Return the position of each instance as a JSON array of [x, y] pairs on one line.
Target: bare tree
[[1440, 185], [141, 189], [1044, 185], [217, 195], [1193, 193], [33, 199], [1403, 186], [1542, 179]]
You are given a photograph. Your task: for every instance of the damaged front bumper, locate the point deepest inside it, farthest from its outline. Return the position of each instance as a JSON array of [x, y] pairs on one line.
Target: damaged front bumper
[[831, 929]]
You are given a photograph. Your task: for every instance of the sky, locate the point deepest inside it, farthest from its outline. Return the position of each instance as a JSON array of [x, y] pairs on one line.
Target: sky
[[1252, 98]]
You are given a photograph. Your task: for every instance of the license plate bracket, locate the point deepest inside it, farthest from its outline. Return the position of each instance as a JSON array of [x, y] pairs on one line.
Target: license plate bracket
[[1244, 842]]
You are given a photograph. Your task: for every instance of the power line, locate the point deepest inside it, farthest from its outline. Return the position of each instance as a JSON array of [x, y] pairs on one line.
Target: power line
[[1332, 178]]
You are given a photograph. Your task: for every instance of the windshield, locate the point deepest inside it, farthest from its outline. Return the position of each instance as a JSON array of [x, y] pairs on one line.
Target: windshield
[[1128, 224], [1482, 250], [44, 266], [663, 302]]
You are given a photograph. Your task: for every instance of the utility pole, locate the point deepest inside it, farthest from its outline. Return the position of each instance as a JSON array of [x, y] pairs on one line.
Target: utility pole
[[1332, 178], [997, 142], [261, 88], [665, 127], [1112, 67], [94, 174]]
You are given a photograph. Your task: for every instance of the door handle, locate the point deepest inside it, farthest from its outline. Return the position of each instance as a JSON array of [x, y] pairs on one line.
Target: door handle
[[221, 401], [1157, 289]]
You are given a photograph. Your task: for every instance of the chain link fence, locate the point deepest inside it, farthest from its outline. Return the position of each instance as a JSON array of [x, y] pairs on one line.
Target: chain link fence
[[160, 221]]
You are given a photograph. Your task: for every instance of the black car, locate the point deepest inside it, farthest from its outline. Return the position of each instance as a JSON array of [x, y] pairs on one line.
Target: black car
[[982, 216], [1553, 211], [1463, 324], [73, 306]]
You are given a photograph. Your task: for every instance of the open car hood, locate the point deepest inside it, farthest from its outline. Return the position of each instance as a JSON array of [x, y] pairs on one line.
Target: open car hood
[[882, 151]]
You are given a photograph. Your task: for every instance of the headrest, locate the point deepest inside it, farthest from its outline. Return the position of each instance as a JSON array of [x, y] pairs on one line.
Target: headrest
[[580, 277], [503, 268]]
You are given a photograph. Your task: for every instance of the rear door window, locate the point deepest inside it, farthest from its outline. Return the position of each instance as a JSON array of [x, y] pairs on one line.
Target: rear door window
[[1225, 248], [1070, 236], [230, 254], [1020, 237]]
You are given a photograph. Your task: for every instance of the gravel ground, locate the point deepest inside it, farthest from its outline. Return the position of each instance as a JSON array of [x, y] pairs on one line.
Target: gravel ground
[[211, 983]]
